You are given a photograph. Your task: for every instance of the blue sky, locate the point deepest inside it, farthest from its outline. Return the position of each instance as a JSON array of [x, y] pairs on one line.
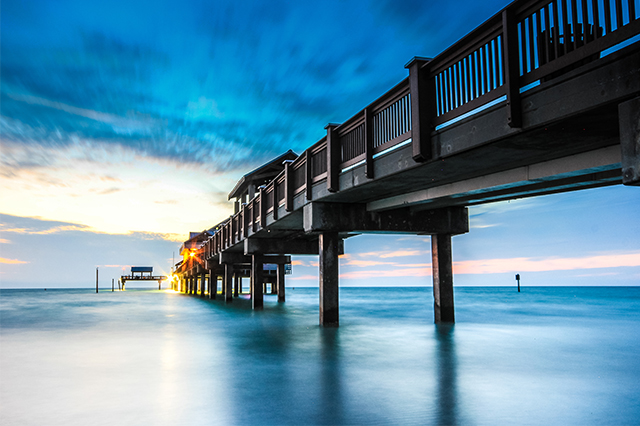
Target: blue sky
[[124, 125]]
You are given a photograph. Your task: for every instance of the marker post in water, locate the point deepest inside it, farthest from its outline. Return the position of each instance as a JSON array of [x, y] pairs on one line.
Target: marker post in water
[[518, 279], [96, 280], [112, 285]]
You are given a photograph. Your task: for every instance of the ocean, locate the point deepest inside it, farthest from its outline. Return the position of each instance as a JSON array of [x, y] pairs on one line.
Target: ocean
[[545, 356]]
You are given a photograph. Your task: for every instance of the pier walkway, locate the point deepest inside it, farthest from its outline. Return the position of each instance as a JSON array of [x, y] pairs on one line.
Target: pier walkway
[[544, 97]]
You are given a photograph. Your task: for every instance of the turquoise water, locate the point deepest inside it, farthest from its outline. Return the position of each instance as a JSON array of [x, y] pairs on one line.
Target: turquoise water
[[552, 355]]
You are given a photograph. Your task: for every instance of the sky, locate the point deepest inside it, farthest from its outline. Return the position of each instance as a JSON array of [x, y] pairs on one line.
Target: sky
[[124, 125]]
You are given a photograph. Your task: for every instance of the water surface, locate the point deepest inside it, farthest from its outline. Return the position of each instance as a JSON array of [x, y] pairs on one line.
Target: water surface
[[548, 355]]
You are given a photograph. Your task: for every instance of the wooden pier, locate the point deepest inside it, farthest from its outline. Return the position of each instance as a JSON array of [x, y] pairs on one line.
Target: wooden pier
[[142, 273], [534, 101]]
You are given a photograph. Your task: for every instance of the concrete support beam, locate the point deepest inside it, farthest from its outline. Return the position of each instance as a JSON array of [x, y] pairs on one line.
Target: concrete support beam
[[275, 246], [257, 274], [629, 121], [335, 217], [280, 282], [329, 278], [227, 282], [235, 258], [202, 283], [442, 278]]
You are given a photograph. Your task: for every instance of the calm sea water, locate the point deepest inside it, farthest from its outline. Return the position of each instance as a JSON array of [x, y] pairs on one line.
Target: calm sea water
[[552, 356]]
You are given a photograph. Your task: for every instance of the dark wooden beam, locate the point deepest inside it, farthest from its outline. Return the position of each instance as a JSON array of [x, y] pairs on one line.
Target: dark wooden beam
[[277, 246], [338, 217]]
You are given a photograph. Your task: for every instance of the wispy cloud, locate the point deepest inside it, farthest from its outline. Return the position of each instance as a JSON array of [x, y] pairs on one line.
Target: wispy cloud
[[83, 112], [524, 264], [385, 254], [4, 241], [53, 230]]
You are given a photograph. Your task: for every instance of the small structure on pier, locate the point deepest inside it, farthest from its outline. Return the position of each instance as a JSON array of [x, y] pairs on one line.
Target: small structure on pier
[[142, 273]]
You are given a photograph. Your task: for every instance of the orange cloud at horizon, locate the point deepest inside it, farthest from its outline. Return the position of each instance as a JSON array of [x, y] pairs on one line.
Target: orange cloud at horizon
[[525, 264], [12, 261]]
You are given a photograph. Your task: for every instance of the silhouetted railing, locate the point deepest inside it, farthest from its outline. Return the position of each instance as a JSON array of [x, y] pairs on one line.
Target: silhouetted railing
[[528, 41]]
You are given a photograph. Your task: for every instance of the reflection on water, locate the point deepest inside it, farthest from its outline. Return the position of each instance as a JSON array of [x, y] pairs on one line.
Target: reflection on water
[[544, 356], [446, 360]]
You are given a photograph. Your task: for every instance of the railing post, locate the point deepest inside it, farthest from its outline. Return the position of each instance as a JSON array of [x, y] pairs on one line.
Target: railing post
[[288, 186], [245, 219], [232, 230], [263, 209], [308, 177], [368, 143], [333, 158], [253, 215], [423, 108], [511, 67], [274, 194]]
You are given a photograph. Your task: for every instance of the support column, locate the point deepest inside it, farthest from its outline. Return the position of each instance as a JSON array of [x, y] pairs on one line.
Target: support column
[[280, 284], [629, 122], [236, 279], [442, 278], [202, 278], [227, 282], [213, 284], [257, 298], [329, 278]]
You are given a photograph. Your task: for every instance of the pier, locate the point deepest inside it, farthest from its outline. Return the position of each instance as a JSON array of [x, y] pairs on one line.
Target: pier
[[542, 98], [142, 273]]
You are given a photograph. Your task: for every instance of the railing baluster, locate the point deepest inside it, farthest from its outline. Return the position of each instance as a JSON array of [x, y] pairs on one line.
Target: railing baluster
[[619, 14], [491, 66], [607, 16], [486, 68], [574, 24], [632, 11], [596, 19], [566, 29], [532, 47], [585, 21], [540, 45]]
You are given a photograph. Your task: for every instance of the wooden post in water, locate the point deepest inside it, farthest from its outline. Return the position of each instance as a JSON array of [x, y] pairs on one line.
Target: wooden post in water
[[227, 282], [257, 273], [518, 279], [280, 282], [329, 278], [236, 283], [96, 280], [442, 277], [112, 285]]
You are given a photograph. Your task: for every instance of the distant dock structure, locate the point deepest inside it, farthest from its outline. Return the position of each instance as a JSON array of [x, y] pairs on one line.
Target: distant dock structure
[[142, 273]]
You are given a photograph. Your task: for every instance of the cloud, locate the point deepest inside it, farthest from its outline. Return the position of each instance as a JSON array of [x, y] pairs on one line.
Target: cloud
[[11, 261], [387, 273], [523, 264], [365, 263], [37, 226], [52, 230], [4, 241], [393, 253]]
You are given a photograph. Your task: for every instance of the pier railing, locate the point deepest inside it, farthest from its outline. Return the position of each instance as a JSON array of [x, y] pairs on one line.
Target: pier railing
[[529, 41]]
